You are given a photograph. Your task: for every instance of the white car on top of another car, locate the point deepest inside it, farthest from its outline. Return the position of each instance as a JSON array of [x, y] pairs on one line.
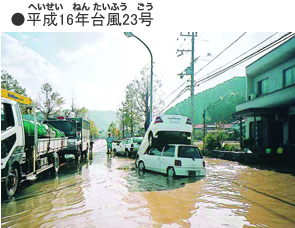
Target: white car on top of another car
[[166, 129], [174, 160]]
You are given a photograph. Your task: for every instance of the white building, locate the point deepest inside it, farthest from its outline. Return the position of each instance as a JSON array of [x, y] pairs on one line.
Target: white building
[[270, 101]]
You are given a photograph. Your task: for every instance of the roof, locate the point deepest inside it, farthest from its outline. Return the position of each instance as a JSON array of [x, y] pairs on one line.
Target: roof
[[213, 125]]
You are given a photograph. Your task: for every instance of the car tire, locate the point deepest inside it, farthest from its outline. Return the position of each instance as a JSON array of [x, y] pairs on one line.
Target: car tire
[[115, 152], [141, 166], [170, 172], [10, 185]]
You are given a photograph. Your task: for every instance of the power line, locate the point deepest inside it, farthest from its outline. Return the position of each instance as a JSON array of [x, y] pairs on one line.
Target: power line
[[274, 43], [174, 91], [242, 54], [209, 76], [181, 93], [222, 52]]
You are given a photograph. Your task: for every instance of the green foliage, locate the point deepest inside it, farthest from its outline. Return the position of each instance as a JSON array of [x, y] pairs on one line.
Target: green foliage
[[133, 113], [113, 130], [222, 109], [214, 139], [93, 129], [205, 98], [9, 83], [81, 112], [228, 147], [48, 100]]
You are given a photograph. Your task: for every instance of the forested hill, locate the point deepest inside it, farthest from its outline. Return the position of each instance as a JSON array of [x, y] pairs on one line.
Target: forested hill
[[102, 119], [224, 96]]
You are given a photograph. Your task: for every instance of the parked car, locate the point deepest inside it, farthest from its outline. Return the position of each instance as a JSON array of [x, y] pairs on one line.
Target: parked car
[[128, 147], [167, 129], [174, 160]]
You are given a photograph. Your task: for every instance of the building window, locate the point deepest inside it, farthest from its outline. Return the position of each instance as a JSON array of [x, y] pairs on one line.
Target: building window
[[262, 87], [289, 76]]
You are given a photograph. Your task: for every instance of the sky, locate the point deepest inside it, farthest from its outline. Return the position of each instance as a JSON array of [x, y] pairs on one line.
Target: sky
[[95, 68]]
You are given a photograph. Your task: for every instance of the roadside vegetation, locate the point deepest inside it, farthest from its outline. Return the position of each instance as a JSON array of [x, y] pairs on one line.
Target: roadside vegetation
[[49, 102]]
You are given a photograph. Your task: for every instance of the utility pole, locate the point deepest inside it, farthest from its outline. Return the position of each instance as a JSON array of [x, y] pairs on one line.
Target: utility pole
[[190, 71], [204, 129]]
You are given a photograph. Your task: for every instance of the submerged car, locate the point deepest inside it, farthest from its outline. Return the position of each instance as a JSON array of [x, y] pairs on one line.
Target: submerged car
[[174, 160], [167, 129], [128, 147]]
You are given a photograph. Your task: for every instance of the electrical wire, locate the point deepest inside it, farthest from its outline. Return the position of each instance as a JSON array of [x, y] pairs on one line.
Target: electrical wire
[[222, 52], [174, 91], [211, 76], [180, 94], [274, 43], [241, 54]]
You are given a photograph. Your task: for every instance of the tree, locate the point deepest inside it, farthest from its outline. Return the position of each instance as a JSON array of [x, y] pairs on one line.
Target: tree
[[142, 88], [81, 112], [135, 105], [48, 100], [222, 109], [113, 129], [9, 83], [93, 129]]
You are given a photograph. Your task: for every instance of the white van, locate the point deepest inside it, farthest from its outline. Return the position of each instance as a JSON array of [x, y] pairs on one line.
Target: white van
[[167, 129], [174, 160]]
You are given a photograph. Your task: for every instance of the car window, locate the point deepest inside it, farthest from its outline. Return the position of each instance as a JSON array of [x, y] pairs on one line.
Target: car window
[[137, 140], [128, 141], [189, 152], [155, 152], [169, 151], [6, 116]]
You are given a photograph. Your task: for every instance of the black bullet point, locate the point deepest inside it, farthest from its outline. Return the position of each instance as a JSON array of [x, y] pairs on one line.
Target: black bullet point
[[18, 19]]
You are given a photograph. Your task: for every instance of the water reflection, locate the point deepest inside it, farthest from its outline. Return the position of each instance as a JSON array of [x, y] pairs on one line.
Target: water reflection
[[141, 181], [97, 192]]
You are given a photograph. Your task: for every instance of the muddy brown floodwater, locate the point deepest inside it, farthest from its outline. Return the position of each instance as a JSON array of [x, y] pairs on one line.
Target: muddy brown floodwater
[[105, 191]]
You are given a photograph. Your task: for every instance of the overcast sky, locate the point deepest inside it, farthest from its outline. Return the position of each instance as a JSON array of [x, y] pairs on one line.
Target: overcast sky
[[95, 68]]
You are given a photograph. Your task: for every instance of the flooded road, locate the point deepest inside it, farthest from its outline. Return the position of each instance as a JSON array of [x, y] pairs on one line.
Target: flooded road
[[106, 191]]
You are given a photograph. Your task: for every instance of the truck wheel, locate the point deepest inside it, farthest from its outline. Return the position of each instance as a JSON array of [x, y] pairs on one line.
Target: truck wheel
[[55, 162], [11, 183]]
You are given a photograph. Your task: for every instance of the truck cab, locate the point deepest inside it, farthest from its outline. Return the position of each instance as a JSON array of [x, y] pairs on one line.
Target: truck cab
[[23, 154], [78, 132]]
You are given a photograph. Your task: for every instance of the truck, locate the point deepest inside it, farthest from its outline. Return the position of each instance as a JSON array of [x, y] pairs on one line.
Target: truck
[[24, 155], [78, 132]]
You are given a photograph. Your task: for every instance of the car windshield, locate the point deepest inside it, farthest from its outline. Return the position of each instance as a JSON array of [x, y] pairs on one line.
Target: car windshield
[[188, 152], [69, 128], [137, 140]]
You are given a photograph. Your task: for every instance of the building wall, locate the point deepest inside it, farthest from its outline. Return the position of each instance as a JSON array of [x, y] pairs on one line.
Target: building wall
[[275, 78]]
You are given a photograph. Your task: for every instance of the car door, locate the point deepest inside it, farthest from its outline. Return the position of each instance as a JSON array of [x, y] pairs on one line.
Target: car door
[[167, 158], [121, 147], [152, 160]]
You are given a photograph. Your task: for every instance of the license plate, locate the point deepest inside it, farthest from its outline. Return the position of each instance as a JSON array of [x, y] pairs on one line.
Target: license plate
[[174, 120], [192, 173]]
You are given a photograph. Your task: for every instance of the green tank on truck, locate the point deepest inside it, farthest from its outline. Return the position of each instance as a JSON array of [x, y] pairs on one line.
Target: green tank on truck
[[27, 149], [78, 132]]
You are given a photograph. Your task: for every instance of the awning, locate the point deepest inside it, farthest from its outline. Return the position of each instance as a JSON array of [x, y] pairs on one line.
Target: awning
[[251, 112]]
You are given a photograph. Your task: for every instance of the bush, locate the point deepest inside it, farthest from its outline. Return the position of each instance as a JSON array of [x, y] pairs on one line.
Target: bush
[[228, 147], [214, 139]]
